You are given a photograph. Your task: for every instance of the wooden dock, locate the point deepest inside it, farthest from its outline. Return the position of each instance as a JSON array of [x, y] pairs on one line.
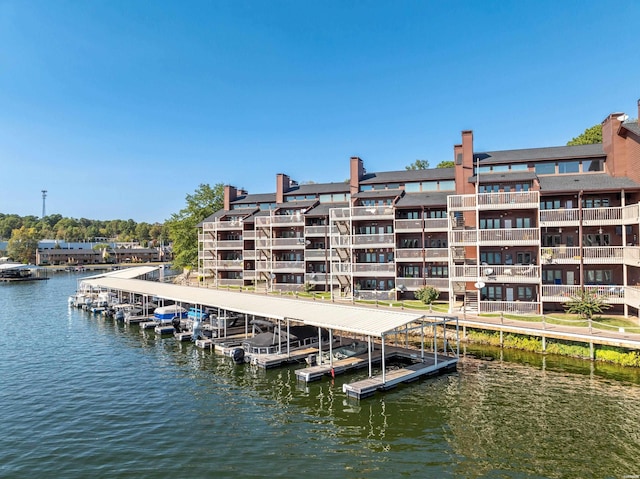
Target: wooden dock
[[339, 366], [411, 372], [268, 361]]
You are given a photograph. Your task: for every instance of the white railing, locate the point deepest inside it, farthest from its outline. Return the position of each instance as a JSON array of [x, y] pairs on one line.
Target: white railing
[[248, 234], [317, 230], [369, 212], [287, 287], [230, 263], [498, 273], [514, 200], [233, 244], [517, 307], [510, 236], [561, 217], [405, 225], [631, 214], [249, 254], [601, 216], [341, 268], [385, 239], [377, 268], [318, 254], [460, 237], [415, 254], [280, 220], [294, 266], [320, 278], [339, 213], [563, 292], [413, 284], [592, 254], [461, 202], [436, 224], [230, 282]]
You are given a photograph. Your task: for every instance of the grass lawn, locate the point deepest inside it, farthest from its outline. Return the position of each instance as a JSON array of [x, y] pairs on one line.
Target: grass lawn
[[605, 323]]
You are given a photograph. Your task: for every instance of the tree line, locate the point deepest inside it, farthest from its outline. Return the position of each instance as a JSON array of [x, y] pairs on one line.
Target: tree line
[[57, 227]]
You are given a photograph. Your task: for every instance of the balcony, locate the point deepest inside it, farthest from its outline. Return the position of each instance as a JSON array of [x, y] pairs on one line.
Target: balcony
[[318, 231], [248, 234], [384, 240], [592, 255], [561, 293], [509, 236], [414, 284], [280, 243], [230, 282], [463, 237], [416, 225], [249, 254], [417, 254], [615, 215], [319, 254], [495, 201], [229, 264], [497, 273], [287, 266], [279, 220], [229, 244], [360, 213], [382, 269], [320, 278], [516, 307]]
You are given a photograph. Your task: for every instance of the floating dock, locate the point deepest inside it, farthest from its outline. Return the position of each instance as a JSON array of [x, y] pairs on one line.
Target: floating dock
[[391, 378]]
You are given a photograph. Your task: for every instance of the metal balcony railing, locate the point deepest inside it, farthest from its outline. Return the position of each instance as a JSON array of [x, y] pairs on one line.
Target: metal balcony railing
[[562, 293], [592, 254]]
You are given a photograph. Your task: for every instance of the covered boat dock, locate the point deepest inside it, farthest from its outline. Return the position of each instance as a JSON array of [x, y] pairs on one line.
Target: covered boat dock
[[379, 326]]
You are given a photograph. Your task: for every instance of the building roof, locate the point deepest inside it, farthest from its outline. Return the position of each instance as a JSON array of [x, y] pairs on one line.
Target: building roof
[[358, 320], [632, 126], [404, 176], [126, 273], [257, 198], [323, 209], [587, 182], [548, 153], [379, 193], [487, 178], [318, 188], [423, 199]]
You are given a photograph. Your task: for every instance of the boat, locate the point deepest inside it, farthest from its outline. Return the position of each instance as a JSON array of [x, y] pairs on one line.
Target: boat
[[167, 313], [277, 340]]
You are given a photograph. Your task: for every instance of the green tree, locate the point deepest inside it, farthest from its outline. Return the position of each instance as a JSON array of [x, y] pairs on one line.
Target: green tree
[[427, 294], [585, 304], [418, 165], [588, 137], [446, 164], [23, 245], [182, 226]]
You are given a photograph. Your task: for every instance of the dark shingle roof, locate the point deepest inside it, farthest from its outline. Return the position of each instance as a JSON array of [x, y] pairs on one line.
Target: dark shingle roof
[[323, 209], [486, 178], [379, 194], [257, 198], [423, 199], [587, 182], [632, 126], [319, 188], [408, 176], [549, 153]]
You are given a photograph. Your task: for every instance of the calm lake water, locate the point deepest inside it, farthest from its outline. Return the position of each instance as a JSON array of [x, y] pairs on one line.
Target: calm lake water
[[83, 396]]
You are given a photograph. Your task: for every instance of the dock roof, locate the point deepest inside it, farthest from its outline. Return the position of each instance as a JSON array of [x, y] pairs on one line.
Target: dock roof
[[354, 319]]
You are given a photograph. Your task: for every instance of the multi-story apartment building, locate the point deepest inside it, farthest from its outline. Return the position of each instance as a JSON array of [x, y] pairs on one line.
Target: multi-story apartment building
[[518, 230]]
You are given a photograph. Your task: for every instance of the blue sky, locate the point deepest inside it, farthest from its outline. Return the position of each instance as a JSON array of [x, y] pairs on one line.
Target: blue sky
[[119, 109]]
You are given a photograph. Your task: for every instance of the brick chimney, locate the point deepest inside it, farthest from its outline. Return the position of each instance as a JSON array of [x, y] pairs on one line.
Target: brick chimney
[[356, 173], [614, 145], [463, 161], [283, 183], [230, 194]]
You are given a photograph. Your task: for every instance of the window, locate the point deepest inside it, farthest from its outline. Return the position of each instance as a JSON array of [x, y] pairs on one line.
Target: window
[[449, 185], [592, 165], [525, 293], [523, 258], [523, 222], [430, 186], [491, 293], [548, 168], [520, 167], [568, 167], [550, 204], [412, 187], [491, 257], [552, 276], [598, 276], [410, 272]]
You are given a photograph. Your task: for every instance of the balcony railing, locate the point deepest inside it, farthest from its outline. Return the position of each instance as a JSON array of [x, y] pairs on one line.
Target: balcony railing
[[613, 215], [288, 266], [561, 217], [497, 273], [230, 244], [319, 254], [317, 230], [562, 293], [409, 225], [510, 236], [592, 254], [631, 214], [230, 282], [280, 220], [490, 201], [516, 307], [417, 254], [370, 212], [320, 278], [414, 284], [374, 240], [266, 243], [464, 237], [230, 264], [385, 269], [249, 254]]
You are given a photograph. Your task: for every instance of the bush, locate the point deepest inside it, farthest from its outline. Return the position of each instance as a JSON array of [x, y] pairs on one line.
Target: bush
[[427, 294]]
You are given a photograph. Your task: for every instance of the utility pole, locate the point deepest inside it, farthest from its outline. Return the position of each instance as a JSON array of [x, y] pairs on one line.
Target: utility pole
[[44, 198]]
